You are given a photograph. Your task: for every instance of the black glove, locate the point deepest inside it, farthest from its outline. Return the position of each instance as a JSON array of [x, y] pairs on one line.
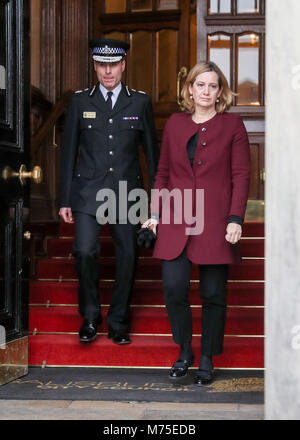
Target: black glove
[[146, 238]]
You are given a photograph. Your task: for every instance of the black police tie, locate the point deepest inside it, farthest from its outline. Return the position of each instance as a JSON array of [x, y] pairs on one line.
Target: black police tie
[[109, 100]]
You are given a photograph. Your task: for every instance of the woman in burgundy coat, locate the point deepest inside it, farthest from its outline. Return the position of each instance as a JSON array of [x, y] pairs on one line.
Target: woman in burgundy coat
[[205, 161]]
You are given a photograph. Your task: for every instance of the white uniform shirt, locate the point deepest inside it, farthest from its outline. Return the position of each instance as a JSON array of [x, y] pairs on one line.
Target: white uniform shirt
[[115, 93]]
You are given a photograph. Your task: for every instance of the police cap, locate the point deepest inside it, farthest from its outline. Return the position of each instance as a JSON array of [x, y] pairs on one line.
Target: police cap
[[108, 50]]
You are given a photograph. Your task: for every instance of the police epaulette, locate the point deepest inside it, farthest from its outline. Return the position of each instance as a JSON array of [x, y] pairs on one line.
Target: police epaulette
[[138, 91], [80, 91], [92, 92], [128, 91]]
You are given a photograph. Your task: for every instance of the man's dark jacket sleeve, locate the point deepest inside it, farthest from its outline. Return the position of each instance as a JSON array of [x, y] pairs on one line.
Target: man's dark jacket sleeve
[[69, 152]]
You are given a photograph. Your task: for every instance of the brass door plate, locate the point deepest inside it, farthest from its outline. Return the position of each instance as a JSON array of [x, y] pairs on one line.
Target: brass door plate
[[13, 360]]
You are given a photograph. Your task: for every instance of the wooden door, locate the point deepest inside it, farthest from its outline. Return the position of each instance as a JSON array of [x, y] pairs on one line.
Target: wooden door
[[14, 188], [162, 37]]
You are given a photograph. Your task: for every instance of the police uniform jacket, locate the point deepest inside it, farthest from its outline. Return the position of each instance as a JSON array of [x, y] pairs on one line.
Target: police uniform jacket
[[221, 168], [101, 146]]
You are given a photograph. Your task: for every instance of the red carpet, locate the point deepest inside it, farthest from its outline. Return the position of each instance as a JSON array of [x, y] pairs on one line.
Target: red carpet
[[148, 269], [150, 293], [159, 351], [54, 319], [243, 321], [63, 247]]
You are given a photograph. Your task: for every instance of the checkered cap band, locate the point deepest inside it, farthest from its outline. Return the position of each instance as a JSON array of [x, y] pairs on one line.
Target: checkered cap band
[[101, 59], [108, 51]]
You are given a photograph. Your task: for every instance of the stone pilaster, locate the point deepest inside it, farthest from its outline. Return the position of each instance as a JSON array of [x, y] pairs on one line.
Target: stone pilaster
[[282, 326]]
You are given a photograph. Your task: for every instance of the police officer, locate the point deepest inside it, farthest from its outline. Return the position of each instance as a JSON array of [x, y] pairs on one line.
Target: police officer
[[104, 128]]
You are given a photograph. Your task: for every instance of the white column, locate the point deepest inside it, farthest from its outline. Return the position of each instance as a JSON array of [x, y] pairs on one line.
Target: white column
[[282, 326]]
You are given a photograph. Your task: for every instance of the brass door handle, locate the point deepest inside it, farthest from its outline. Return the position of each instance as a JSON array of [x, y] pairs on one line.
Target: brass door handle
[[36, 174], [262, 175], [182, 74], [27, 235]]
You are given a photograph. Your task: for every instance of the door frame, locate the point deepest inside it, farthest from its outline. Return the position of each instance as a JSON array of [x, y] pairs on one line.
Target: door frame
[[15, 151]]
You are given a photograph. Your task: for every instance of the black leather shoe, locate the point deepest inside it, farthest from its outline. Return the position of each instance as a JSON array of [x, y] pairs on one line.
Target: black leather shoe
[[180, 368], [120, 338], [205, 372], [88, 331]]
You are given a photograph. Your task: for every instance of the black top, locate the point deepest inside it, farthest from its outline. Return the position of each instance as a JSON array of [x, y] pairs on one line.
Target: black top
[[192, 147]]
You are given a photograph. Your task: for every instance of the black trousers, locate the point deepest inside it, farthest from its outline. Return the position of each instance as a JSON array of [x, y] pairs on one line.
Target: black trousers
[[86, 252], [176, 285]]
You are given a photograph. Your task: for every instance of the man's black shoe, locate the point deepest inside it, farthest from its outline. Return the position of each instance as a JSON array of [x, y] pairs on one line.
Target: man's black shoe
[[180, 368], [120, 338], [88, 331], [205, 372]]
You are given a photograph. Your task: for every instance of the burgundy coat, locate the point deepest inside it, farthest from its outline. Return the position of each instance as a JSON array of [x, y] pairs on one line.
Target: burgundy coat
[[221, 168]]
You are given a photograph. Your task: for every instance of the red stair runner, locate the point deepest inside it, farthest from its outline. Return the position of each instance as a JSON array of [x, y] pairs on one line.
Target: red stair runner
[[145, 351], [54, 320], [52, 292], [243, 321]]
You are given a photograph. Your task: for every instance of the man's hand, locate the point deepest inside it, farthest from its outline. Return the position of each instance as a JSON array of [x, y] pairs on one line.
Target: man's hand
[[233, 232], [66, 215]]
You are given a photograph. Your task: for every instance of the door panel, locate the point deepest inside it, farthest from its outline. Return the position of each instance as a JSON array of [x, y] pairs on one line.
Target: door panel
[[162, 37], [159, 35], [14, 193]]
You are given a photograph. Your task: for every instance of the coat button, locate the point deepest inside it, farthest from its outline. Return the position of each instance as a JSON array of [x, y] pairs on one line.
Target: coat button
[[111, 170], [203, 129], [110, 136], [204, 144], [110, 121], [111, 153], [89, 126], [199, 162]]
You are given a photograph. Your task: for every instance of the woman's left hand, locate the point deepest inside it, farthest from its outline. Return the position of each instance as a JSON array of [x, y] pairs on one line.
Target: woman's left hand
[[233, 233]]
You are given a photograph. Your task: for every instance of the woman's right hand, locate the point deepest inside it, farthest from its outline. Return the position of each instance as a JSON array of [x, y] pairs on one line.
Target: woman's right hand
[[151, 223]]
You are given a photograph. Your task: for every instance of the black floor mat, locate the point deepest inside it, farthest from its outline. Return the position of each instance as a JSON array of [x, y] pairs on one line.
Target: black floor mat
[[147, 385]]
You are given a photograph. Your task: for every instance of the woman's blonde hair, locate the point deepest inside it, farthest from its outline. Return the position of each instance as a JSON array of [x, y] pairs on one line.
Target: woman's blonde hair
[[226, 97]]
